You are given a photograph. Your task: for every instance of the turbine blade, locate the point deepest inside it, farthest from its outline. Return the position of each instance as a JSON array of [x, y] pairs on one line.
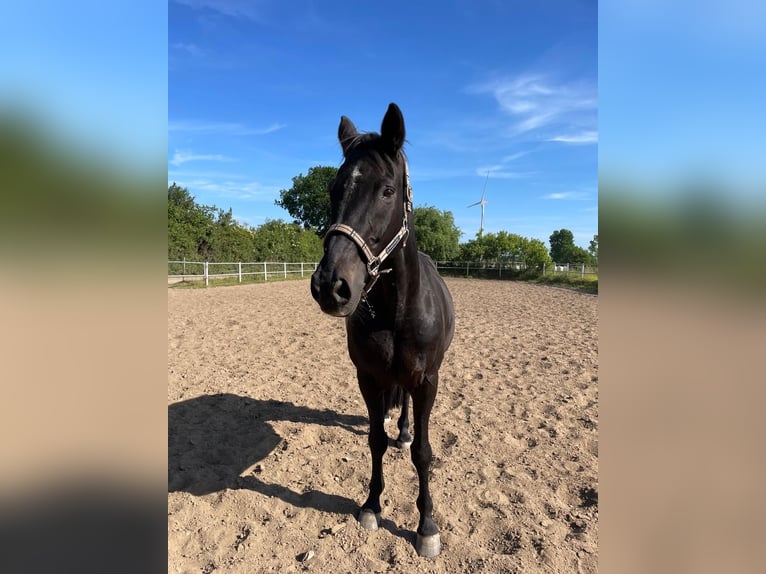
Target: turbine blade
[[477, 203]]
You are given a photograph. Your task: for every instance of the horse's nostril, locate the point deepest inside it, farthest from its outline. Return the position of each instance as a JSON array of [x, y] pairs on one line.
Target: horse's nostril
[[341, 292]]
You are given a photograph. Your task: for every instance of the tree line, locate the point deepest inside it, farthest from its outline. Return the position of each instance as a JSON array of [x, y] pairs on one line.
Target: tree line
[[207, 233], [308, 202]]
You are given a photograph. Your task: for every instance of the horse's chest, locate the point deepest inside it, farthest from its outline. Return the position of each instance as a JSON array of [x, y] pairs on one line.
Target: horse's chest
[[372, 350], [383, 354]]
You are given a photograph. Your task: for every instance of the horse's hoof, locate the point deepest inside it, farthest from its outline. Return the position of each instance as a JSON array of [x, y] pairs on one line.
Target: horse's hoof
[[387, 419], [369, 519], [428, 546], [403, 444]]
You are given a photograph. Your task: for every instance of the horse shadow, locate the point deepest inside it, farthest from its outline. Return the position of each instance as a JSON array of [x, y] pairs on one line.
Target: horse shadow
[[214, 439]]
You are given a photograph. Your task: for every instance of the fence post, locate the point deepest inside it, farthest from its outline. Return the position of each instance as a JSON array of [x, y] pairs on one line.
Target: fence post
[[499, 269], [184, 266], [466, 268], [206, 274], [543, 267], [582, 271], [265, 272], [239, 271], [284, 264], [301, 269]]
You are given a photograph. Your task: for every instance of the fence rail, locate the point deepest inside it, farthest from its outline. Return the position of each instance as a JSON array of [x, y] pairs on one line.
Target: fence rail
[[511, 269], [206, 270]]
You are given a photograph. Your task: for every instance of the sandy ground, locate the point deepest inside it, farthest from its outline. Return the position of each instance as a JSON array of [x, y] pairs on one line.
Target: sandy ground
[[267, 446]]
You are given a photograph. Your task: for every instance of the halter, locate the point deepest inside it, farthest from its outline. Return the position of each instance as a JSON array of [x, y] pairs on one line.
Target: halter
[[374, 262]]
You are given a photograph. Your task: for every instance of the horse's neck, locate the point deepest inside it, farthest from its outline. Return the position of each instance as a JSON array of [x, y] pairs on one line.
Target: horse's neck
[[402, 286]]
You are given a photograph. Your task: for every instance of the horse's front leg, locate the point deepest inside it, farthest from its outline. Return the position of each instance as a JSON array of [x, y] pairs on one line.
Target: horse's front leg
[[404, 440], [369, 515], [427, 543]]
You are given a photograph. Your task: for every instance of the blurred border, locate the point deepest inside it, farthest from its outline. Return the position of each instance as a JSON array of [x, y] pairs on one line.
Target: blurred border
[[83, 127], [83, 160], [682, 237]]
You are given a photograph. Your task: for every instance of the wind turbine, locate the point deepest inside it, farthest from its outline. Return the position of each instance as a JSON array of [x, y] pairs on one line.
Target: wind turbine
[[482, 202]]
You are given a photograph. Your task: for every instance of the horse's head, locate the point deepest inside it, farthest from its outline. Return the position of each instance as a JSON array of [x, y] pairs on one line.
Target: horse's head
[[369, 204]]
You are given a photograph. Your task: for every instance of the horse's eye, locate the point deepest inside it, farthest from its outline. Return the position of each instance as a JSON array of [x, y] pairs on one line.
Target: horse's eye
[[388, 192]]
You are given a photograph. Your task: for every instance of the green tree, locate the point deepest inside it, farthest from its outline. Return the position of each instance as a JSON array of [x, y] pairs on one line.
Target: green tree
[[579, 255], [190, 226], [474, 249], [505, 247], [562, 246], [212, 234], [593, 248], [308, 200], [277, 240], [436, 233], [535, 253], [500, 246], [229, 241]]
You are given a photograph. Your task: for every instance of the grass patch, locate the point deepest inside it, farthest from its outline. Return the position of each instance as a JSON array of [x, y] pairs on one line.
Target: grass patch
[[587, 284]]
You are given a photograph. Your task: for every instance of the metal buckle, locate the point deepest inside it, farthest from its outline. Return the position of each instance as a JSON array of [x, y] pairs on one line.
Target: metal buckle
[[373, 267]]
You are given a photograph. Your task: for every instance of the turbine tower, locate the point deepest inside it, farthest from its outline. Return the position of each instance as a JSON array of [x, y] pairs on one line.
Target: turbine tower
[[482, 202]]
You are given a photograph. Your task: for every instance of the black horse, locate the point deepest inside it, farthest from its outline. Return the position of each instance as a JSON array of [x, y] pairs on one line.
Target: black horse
[[399, 314]]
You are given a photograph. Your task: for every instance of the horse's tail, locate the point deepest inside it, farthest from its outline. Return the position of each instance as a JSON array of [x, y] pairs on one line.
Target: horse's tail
[[394, 397]]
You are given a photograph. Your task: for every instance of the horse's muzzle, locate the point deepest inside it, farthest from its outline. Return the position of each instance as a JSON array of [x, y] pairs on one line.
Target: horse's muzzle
[[334, 294]]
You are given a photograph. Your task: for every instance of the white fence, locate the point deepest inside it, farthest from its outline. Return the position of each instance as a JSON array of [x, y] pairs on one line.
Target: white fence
[[206, 270], [510, 269], [580, 269]]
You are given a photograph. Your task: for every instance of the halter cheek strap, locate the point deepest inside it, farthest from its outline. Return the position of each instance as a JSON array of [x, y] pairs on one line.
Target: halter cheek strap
[[374, 262]]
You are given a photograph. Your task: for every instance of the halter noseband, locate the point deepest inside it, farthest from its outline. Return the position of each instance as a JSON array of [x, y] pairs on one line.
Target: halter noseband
[[374, 262]]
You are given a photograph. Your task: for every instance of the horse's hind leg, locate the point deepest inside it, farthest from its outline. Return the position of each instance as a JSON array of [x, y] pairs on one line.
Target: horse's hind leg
[[427, 543], [369, 515], [404, 440]]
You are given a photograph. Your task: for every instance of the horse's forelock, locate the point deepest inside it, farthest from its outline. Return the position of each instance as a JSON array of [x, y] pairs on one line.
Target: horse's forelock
[[370, 145], [359, 144]]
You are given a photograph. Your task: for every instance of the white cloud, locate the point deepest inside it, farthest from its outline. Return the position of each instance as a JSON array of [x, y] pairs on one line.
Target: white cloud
[[189, 48], [571, 195], [586, 137], [535, 102], [251, 220], [235, 8], [500, 172], [235, 129], [230, 187], [182, 157], [514, 156]]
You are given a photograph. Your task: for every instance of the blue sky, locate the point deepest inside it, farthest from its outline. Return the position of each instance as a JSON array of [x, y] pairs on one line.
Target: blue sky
[[256, 90], [682, 95], [79, 71]]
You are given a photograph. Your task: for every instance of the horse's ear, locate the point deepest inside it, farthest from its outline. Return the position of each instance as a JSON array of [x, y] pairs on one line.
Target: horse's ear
[[392, 129], [346, 133]]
